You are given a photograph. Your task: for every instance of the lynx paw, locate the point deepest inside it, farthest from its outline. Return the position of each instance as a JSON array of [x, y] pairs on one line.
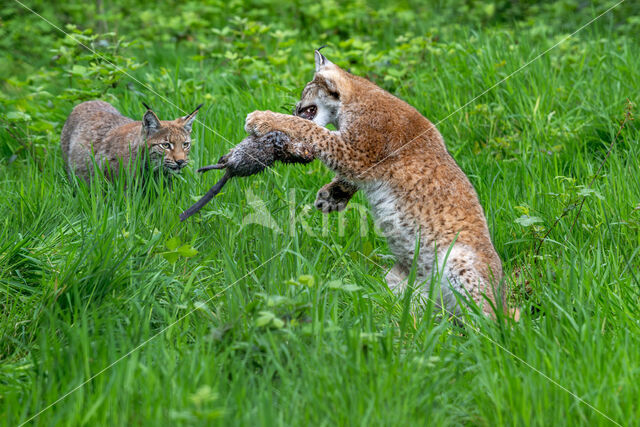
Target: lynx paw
[[260, 123], [326, 201]]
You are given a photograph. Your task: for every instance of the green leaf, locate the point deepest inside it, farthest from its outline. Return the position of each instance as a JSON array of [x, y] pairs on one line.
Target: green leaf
[[78, 70], [18, 116], [527, 221], [347, 287], [264, 319], [203, 395], [307, 280], [172, 257], [277, 301], [335, 284], [489, 9], [267, 318], [292, 282], [173, 243], [187, 251], [586, 192]]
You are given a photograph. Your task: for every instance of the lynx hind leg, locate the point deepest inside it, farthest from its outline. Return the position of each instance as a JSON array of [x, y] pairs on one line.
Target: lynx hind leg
[[461, 275], [396, 279], [335, 195]]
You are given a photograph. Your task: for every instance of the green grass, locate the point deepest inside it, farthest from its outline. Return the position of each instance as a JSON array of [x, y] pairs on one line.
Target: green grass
[[261, 326]]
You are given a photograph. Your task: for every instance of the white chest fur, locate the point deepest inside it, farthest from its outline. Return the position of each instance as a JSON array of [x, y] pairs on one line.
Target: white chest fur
[[400, 230]]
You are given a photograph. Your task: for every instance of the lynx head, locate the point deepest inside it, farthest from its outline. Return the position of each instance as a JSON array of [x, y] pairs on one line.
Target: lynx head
[[324, 98], [168, 141]]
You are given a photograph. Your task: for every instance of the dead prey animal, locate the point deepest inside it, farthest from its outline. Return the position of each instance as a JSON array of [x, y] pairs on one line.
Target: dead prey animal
[[249, 157]]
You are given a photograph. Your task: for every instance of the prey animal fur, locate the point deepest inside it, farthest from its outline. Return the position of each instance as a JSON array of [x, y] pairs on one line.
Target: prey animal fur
[[251, 156]]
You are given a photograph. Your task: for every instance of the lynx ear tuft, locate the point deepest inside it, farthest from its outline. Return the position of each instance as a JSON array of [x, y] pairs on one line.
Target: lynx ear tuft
[[150, 122], [189, 119], [321, 61]]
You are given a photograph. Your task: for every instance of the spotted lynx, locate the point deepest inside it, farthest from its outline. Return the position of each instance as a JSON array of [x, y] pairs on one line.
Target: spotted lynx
[[95, 129], [397, 157]]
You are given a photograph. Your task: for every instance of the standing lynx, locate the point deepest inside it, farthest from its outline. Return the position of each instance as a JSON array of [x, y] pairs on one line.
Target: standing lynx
[[95, 129], [387, 149]]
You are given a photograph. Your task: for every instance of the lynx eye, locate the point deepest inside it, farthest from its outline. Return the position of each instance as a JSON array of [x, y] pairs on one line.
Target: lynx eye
[[308, 112], [185, 145], [166, 146], [335, 95]]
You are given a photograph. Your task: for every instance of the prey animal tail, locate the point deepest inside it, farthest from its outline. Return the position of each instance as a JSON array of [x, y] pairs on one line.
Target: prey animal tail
[[206, 198], [210, 167]]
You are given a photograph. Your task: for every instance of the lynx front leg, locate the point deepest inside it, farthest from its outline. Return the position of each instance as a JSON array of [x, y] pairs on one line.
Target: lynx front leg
[[310, 140], [307, 137], [335, 195]]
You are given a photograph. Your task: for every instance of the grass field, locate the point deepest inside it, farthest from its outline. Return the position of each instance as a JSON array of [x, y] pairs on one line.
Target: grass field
[[283, 317]]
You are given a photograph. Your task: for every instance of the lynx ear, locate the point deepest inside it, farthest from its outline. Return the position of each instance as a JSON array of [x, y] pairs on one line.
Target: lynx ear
[[189, 119], [321, 61], [150, 123]]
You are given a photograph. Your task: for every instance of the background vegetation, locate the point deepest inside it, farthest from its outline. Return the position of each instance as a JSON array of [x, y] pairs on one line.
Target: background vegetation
[[224, 320]]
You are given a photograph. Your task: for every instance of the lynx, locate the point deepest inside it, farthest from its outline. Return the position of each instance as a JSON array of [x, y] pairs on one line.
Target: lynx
[[96, 133], [417, 192]]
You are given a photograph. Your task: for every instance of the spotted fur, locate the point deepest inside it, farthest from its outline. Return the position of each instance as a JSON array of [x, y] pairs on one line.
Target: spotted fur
[[386, 148], [95, 132]]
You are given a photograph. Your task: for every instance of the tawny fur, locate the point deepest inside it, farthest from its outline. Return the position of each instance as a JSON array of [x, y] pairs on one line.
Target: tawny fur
[[96, 130], [386, 148]]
